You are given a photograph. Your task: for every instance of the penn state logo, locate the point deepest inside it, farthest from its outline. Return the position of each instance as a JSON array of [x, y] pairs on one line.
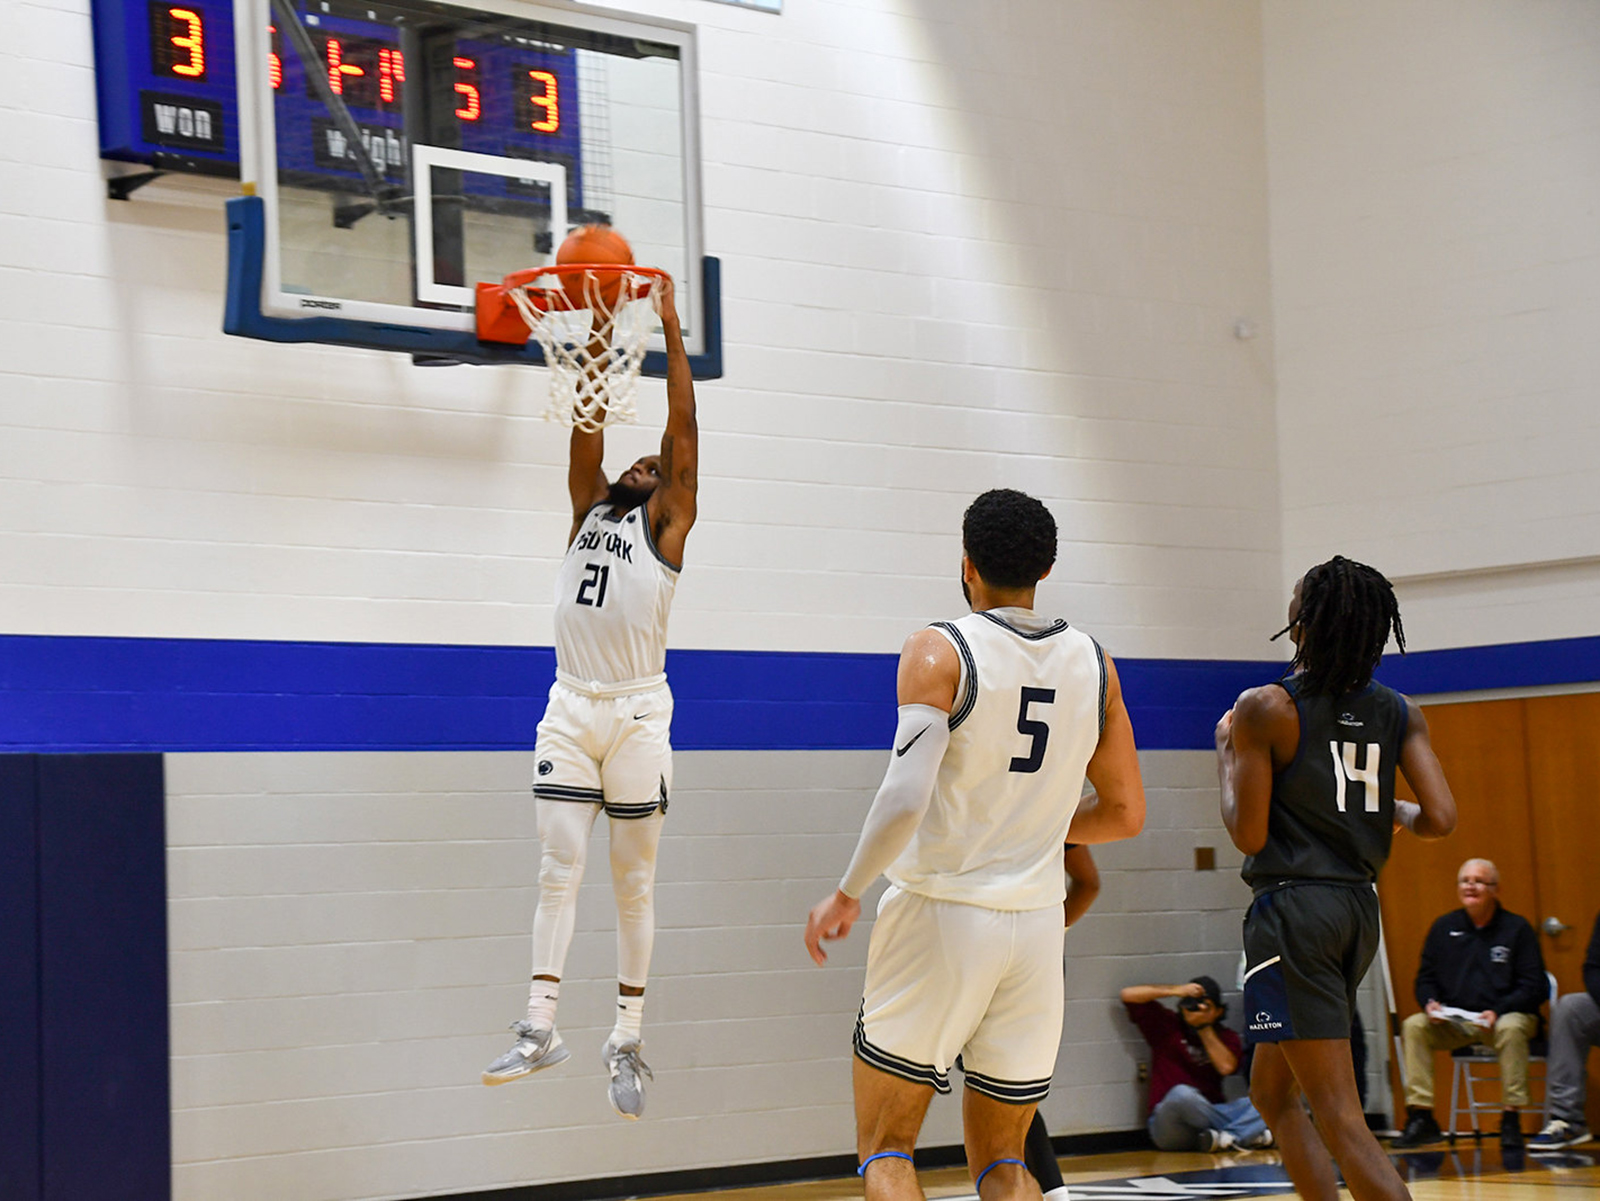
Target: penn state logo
[[546, 767]]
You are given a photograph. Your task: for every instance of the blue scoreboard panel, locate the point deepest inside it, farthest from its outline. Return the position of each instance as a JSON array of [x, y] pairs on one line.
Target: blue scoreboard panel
[[168, 93]]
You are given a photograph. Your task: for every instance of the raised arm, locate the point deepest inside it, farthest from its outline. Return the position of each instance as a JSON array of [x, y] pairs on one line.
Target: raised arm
[[673, 507], [1142, 994], [586, 481], [1116, 810], [1253, 738], [1433, 813]]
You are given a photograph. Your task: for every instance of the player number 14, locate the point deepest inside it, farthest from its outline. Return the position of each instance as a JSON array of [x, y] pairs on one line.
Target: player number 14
[[1344, 768]]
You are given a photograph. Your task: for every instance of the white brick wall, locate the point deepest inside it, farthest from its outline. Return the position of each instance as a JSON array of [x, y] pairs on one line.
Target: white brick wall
[[349, 938], [952, 260], [964, 245], [1434, 241]]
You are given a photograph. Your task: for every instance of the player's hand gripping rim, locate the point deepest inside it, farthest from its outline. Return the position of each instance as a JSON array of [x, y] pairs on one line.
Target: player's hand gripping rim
[[666, 304], [830, 919]]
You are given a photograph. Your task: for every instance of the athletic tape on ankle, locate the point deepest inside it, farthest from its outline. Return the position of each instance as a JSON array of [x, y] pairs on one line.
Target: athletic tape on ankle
[[862, 1170], [978, 1184]]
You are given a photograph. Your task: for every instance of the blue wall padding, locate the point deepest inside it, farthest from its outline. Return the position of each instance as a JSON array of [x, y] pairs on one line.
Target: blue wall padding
[[106, 1099], [86, 1107], [62, 694], [19, 977]]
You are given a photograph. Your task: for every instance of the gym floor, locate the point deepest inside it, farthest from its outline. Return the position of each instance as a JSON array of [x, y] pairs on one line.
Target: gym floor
[[1466, 1170]]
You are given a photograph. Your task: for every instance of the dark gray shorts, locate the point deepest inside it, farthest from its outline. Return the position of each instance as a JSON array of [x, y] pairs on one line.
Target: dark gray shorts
[[1306, 948]]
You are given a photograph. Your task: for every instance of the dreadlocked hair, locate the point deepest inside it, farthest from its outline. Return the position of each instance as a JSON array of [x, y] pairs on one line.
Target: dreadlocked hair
[[1347, 611]]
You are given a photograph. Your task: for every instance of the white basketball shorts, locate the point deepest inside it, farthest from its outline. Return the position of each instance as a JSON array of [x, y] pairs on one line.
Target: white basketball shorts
[[614, 751], [947, 979]]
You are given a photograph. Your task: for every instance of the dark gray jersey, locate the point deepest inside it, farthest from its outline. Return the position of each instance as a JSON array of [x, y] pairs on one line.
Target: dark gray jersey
[[1332, 815]]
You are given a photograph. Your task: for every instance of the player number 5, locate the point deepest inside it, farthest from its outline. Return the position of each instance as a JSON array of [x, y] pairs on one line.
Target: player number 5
[[1036, 730], [596, 576], [1344, 768]]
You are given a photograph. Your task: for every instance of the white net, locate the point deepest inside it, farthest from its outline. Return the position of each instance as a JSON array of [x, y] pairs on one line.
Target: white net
[[592, 324]]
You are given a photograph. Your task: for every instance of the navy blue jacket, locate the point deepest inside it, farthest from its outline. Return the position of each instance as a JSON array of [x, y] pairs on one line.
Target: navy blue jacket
[[1499, 967]]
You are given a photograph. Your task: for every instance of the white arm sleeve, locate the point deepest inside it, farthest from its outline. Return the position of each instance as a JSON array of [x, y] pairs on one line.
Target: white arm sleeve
[[903, 797]]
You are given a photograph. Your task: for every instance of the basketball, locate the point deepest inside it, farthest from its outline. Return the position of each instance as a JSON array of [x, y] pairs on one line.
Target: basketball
[[594, 244]]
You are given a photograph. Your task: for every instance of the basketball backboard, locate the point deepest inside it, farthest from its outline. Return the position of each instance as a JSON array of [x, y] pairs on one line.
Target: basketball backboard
[[400, 152]]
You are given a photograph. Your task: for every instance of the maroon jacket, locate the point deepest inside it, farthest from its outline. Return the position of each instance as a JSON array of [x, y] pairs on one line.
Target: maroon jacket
[[1176, 1054]]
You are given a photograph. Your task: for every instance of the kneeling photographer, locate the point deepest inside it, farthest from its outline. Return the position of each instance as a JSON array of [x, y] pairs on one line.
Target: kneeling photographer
[[1191, 1052]]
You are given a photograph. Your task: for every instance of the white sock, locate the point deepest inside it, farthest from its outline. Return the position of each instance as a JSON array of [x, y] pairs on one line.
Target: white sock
[[630, 1020], [542, 995], [1057, 1194]]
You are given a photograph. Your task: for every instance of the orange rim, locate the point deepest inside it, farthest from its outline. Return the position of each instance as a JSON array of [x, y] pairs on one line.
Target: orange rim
[[525, 280]]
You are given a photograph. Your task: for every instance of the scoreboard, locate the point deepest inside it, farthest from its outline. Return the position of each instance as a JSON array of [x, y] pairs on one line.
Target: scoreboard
[[167, 92]]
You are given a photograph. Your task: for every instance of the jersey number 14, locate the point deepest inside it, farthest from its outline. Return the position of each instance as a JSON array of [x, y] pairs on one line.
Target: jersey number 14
[[1344, 768]]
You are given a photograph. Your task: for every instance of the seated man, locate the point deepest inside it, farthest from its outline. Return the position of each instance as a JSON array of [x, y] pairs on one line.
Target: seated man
[[1190, 1053], [1574, 1028], [1483, 962]]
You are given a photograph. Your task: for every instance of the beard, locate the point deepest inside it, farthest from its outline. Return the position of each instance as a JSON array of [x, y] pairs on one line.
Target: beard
[[966, 593], [623, 496]]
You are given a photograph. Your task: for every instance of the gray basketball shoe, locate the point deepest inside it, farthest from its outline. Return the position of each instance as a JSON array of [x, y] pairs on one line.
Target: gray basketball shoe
[[535, 1050], [626, 1089]]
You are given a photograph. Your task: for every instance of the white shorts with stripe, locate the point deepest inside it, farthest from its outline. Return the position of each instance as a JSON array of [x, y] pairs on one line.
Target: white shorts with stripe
[[606, 745], [947, 979]]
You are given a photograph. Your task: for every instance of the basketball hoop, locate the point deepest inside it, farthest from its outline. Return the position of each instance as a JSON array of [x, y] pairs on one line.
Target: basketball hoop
[[591, 320]]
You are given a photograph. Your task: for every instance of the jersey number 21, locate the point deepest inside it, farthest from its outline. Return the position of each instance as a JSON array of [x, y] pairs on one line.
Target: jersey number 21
[[596, 576]]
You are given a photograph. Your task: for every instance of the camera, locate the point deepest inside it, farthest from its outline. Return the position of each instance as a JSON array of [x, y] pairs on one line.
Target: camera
[[1193, 1003]]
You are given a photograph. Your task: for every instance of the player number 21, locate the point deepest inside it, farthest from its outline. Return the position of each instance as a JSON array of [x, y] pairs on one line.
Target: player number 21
[[1344, 768], [596, 576]]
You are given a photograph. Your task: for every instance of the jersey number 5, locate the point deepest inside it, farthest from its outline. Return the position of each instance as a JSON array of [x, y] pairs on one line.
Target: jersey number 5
[[1344, 768], [1036, 730], [596, 576]]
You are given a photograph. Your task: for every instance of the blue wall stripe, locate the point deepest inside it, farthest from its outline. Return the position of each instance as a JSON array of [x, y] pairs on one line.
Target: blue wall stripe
[[82, 694], [1508, 665]]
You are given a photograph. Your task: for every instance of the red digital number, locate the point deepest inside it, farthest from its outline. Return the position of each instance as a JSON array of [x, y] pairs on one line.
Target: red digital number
[[391, 70], [338, 68], [274, 63], [192, 40], [550, 101], [471, 106]]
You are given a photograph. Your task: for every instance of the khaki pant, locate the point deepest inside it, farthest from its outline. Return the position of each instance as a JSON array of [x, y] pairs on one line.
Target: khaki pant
[[1420, 1038]]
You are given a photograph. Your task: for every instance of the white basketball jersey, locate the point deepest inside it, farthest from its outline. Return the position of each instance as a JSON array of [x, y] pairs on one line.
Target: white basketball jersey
[[613, 595], [1028, 716]]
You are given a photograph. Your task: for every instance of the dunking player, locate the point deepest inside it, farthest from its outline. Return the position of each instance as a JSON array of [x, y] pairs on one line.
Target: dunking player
[[1307, 771], [604, 741], [1001, 715]]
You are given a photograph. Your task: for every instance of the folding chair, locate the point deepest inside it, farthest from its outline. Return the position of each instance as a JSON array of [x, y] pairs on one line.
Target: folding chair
[[1468, 1062]]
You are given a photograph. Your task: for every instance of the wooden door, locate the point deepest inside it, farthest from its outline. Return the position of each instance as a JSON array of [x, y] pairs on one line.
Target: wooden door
[[1564, 810], [1526, 778]]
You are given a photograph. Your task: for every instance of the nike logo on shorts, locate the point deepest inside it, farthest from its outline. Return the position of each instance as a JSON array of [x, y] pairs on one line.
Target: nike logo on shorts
[[900, 750], [640, 716]]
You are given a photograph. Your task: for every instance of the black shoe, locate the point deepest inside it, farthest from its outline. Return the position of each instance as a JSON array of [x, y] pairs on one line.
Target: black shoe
[[1511, 1131], [1421, 1129]]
